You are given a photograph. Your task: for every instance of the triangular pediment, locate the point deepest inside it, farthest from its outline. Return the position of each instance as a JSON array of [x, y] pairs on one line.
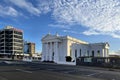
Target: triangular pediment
[[49, 37]]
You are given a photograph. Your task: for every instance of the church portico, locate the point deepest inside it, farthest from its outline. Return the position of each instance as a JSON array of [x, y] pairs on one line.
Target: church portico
[[50, 50]]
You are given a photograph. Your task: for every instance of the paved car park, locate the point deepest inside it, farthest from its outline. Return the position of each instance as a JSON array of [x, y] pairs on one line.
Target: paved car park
[[46, 71]]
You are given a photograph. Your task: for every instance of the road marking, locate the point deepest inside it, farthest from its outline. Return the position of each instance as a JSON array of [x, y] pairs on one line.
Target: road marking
[[94, 74], [69, 71], [8, 62], [23, 70]]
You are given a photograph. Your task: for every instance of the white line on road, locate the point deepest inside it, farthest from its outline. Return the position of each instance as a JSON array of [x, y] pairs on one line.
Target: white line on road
[[50, 69], [69, 71], [23, 70], [8, 62], [93, 74]]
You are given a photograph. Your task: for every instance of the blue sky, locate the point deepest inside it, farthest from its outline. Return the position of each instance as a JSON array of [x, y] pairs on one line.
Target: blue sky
[[89, 20]]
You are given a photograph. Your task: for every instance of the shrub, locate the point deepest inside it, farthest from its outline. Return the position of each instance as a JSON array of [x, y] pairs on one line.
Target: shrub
[[68, 58]]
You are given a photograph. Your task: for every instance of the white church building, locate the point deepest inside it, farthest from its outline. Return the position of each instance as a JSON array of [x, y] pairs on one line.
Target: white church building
[[55, 48]]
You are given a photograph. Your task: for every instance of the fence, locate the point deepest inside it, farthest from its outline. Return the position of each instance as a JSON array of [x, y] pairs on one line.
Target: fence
[[111, 62]]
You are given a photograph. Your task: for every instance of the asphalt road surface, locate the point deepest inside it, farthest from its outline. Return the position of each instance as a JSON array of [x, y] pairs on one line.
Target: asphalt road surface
[[13, 70]]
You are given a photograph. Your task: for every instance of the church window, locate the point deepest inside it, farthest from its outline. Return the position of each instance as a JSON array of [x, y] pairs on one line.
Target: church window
[[88, 53], [92, 53], [80, 52], [76, 53], [98, 53]]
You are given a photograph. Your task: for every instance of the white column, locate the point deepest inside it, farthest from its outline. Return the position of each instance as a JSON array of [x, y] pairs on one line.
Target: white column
[[56, 52], [50, 52], [46, 51], [43, 52], [105, 52], [73, 52]]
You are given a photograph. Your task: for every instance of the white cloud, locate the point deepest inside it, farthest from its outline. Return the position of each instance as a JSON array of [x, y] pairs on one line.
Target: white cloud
[[45, 6], [91, 32], [24, 4], [100, 16], [69, 31], [64, 26], [115, 35], [115, 52], [8, 11], [118, 52]]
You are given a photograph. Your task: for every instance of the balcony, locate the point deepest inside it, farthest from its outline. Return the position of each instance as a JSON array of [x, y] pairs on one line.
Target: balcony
[[18, 33], [19, 37]]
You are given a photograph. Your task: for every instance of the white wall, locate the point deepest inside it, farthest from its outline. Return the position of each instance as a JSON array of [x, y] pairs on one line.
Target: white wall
[[88, 48]]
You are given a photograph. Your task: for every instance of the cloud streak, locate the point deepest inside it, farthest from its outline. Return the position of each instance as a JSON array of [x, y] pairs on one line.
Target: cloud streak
[[8, 11], [28, 6], [100, 17], [115, 52], [63, 26], [73, 32]]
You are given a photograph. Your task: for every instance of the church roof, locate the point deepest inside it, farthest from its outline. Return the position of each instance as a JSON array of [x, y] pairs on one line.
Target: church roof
[[50, 37]]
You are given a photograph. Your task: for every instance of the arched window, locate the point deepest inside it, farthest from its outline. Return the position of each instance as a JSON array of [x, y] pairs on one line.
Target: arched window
[[98, 53], [76, 53], [88, 53], [92, 53], [80, 52]]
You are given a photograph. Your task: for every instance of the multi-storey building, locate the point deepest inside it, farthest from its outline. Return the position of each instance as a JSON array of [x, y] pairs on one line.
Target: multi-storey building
[[11, 42], [29, 48]]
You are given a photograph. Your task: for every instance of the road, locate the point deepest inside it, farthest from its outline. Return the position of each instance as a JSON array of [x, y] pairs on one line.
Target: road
[[12, 70]]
